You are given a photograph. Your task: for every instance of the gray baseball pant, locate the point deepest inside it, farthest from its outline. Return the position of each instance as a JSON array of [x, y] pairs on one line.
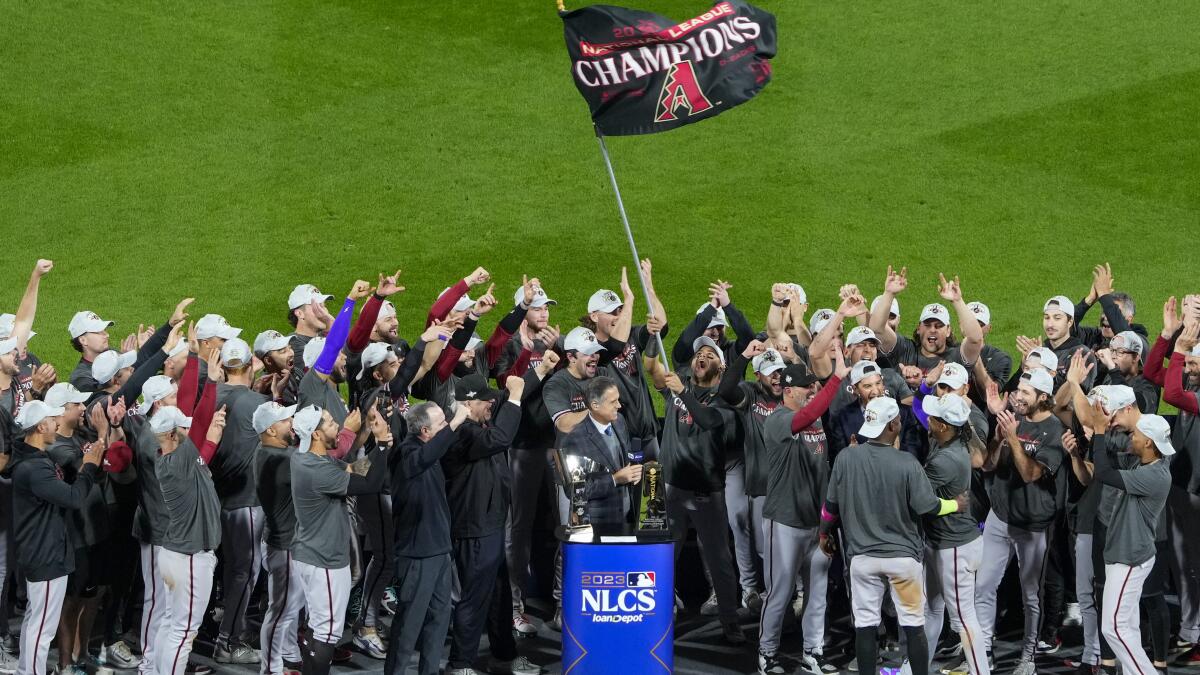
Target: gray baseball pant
[[1000, 541], [789, 551]]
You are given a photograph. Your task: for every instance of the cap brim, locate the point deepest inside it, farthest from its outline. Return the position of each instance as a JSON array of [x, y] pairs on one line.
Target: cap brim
[[607, 308], [868, 430], [806, 382], [594, 349], [543, 303], [773, 368]]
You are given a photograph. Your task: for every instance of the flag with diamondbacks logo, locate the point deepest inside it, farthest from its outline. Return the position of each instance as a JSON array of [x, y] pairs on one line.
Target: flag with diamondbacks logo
[[642, 73]]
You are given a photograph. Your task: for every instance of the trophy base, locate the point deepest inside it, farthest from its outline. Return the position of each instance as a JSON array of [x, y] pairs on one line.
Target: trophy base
[[580, 533]]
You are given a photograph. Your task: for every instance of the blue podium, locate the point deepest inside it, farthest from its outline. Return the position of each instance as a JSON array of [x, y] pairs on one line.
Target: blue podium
[[618, 601]]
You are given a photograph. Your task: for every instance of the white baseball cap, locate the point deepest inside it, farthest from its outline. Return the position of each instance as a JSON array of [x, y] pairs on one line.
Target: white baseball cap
[[464, 303], [312, 350], [178, 349], [539, 297], [1156, 429], [895, 305], [878, 413], [304, 294], [819, 320], [86, 322], [1129, 341], [215, 325], [63, 393], [1039, 380], [34, 412], [375, 354], [169, 418], [718, 318], [953, 376], [269, 341], [236, 353], [605, 301], [864, 369], [935, 310], [951, 409], [110, 363], [1061, 304], [705, 341], [8, 345], [981, 312], [1113, 397], [799, 292], [268, 414], [860, 334], [156, 389], [1046, 357], [768, 362], [386, 310], [582, 340], [475, 341], [304, 423], [8, 322]]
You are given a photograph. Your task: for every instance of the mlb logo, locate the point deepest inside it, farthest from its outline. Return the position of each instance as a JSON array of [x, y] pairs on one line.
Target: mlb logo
[[639, 579]]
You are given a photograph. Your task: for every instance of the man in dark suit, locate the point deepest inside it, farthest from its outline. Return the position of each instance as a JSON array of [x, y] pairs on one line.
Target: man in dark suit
[[603, 438]]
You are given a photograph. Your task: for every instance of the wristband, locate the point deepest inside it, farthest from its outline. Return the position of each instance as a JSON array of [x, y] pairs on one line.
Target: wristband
[[948, 506], [780, 304]]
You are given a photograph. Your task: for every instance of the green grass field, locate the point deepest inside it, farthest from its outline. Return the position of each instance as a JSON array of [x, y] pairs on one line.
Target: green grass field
[[231, 150]]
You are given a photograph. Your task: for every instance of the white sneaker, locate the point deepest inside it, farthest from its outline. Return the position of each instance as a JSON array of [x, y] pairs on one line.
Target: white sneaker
[[1074, 617], [710, 606], [463, 671], [522, 625], [370, 644], [518, 666], [118, 655], [8, 662]]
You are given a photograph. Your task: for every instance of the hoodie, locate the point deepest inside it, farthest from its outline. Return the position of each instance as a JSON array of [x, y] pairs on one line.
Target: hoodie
[[41, 500]]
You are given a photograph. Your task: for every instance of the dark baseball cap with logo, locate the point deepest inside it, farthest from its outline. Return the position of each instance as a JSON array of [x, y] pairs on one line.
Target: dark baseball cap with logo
[[474, 388], [797, 375]]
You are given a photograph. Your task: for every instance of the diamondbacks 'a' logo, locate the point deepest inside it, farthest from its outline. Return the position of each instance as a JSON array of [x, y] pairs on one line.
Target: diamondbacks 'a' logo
[[681, 90]]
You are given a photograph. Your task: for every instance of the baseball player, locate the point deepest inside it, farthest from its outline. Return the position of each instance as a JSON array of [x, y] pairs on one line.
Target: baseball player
[[241, 514], [1129, 548], [954, 548], [44, 547], [285, 593], [321, 560], [697, 429], [879, 495], [796, 458], [1027, 492]]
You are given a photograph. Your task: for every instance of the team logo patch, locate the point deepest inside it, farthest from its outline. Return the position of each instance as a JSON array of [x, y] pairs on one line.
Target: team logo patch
[[681, 90]]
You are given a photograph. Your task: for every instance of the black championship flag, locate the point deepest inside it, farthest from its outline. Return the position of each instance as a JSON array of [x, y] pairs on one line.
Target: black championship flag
[[642, 73]]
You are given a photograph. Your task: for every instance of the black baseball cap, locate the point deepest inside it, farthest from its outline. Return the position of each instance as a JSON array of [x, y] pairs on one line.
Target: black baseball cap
[[797, 375], [474, 388]]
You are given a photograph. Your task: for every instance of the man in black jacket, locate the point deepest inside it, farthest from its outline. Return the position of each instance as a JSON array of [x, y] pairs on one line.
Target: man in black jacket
[[478, 488], [45, 552], [422, 519]]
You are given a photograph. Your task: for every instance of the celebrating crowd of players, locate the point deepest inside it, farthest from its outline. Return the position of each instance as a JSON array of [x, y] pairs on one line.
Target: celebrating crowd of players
[[858, 468]]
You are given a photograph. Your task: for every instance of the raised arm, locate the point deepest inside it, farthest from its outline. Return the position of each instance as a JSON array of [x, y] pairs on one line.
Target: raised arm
[[730, 389], [972, 332], [895, 284], [442, 306], [27, 310], [1174, 392]]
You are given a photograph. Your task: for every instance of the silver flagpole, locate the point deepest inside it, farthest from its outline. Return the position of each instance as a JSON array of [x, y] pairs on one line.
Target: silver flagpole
[[637, 261]]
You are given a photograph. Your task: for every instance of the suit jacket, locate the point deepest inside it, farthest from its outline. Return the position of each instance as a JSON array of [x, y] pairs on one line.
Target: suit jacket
[[605, 499]]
